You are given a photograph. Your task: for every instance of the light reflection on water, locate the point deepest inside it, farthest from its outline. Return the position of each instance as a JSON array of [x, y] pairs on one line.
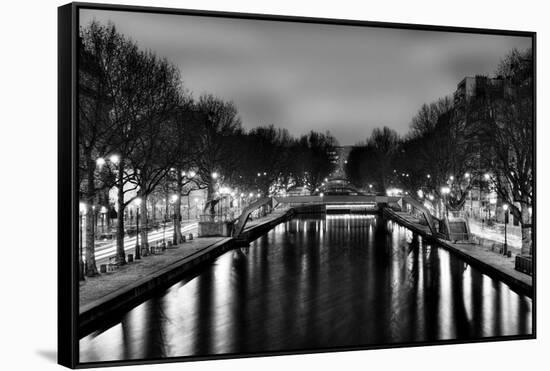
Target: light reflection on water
[[317, 283]]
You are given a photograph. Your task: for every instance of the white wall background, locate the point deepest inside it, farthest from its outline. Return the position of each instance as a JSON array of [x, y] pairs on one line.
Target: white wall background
[[28, 183]]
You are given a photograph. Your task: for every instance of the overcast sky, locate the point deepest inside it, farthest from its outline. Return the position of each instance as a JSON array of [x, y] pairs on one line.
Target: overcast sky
[[314, 77]]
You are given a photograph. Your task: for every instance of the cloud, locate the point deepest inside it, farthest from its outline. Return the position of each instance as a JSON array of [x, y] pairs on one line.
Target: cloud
[[314, 77]]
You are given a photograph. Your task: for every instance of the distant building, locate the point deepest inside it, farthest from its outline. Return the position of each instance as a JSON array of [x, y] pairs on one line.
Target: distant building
[[476, 87], [472, 93]]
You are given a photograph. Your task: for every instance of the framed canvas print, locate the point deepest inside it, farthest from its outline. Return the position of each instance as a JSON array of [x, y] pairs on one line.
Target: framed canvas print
[[235, 185]]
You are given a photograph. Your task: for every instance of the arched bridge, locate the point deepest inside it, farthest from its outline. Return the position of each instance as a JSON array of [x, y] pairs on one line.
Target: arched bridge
[[342, 203]]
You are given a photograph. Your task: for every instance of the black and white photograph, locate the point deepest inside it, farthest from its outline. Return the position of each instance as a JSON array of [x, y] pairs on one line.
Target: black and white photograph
[[254, 185]]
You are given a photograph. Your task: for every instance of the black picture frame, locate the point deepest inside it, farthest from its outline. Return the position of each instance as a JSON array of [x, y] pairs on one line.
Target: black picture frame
[[68, 204]]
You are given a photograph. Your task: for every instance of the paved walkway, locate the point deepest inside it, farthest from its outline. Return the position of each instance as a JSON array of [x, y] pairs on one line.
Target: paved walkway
[[492, 261], [98, 287]]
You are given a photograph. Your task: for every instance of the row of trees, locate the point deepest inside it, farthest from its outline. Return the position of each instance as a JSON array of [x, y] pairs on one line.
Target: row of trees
[[141, 132], [483, 141]]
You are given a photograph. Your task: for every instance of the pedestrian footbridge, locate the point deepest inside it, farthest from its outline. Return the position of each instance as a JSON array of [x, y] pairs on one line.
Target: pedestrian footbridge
[[404, 209]]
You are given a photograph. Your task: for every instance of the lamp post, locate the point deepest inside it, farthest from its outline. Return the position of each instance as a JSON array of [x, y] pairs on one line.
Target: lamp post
[[82, 209], [94, 221], [505, 207], [138, 252], [103, 210]]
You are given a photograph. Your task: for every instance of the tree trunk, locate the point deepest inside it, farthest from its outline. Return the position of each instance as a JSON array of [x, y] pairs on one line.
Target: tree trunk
[[177, 209], [120, 254], [210, 199], [153, 209], [526, 235], [91, 269], [144, 219]]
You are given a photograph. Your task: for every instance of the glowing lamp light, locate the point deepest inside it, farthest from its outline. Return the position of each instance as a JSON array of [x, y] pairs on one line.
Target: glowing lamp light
[[100, 161], [215, 175], [115, 159], [505, 207], [445, 190], [487, 176], [191, 174], [466, 175], [82, 207], [138, 201], [321, 194], [451, 178], [103, 209], [174, 198], [251, 194]]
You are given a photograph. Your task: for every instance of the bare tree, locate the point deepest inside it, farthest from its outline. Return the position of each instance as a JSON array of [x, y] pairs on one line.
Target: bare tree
[[508, 139], [215, 158]]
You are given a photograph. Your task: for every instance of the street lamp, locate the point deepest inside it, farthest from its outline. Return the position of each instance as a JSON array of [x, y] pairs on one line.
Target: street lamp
[[115, 159], [138, 252], [505, 207], [103, 211], [82, 210]]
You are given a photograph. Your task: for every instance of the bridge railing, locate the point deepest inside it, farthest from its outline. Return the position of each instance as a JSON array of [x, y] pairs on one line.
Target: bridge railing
[[265, 205]]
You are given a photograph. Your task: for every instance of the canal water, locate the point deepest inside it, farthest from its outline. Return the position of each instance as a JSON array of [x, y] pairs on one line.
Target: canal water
[[317, 282]]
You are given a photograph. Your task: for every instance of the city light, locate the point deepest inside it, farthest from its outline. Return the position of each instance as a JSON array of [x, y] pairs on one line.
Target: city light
[[420, 193], [394, 192], [445, 190], [173, 198], [100, 161], [251, 195], [191, 174], [115, 159], [321, 194], [466, 175], [103, 209], [431, 197], [451, 177], [82, 207], [428, 176], [138, 201], [487, 176], [215, 175], [505, 207]]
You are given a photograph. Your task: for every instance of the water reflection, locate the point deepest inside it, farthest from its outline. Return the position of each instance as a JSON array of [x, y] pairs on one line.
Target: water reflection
[[317, 283]]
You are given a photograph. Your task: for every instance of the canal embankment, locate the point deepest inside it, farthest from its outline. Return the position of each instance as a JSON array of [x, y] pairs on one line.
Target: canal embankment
[[482, 257], [102, 297]]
